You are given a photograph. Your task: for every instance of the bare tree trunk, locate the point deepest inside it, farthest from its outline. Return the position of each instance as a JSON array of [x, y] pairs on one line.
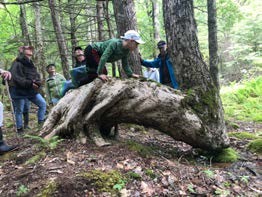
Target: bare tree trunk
[[101, 105], [126, 20], [23, 24], [100, 14], [192, 72], [60, 38], [111, 35], [40, 55], [212, 41], [156, 24], [72, 17]]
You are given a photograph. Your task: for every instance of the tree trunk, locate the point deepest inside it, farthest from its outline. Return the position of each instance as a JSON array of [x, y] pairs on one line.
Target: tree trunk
[[60, 38], [100, 14], [40, 56], [111, 35], [191, 71], [23, 24], [72, 17], [212, 41], [156, 24], [126, 20], [102, 105]]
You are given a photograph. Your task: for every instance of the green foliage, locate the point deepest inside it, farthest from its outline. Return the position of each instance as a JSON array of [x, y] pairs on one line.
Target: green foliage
[[255, 146], [243, 102], [209, 173], [142, 150], [48, 190], [46, 143], [22, 190], [133, 175], [244, 179], [150, 173], [35, 158], [221, 192], [243, 135], [190, 188], [111, 181]]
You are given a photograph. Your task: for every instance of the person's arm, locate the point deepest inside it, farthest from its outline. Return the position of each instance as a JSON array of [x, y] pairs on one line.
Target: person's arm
[[126, 67], [151, 63]]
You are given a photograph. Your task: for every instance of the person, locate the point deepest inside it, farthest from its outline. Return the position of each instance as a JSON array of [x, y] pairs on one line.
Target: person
[[54, 83], [152, 73], [4, 148], [99, 53], [166, 71], [79, 57], [25, 84]]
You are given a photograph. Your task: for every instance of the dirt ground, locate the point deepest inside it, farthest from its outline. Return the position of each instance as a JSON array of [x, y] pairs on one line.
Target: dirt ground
[[141, 162]]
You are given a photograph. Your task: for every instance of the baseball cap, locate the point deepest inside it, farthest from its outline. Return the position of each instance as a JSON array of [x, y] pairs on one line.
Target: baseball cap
[[161, 44], [133, 35]]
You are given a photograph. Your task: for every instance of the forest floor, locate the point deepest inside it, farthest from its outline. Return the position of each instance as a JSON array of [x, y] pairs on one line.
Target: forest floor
[[141, 162]]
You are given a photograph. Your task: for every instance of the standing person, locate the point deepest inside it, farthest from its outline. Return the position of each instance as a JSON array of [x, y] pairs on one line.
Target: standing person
[[152, 73], [54, 83], [25, 84], [79, 57], [4, 148], [166, 71], [99, 53]]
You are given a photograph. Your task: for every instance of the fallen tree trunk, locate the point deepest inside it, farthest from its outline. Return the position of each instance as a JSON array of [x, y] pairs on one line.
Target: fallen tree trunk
[[131, 101]]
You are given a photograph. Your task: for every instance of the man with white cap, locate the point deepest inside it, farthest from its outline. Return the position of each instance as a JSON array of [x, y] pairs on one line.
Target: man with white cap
[[99, 53]]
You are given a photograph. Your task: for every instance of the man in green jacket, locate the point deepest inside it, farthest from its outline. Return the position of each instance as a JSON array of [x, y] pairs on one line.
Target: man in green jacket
[[99, 53], [54, 83]]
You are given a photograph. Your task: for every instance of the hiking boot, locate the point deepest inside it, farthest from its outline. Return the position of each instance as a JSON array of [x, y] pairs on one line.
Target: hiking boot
[[4, 148], [26, 120], [20, 131]]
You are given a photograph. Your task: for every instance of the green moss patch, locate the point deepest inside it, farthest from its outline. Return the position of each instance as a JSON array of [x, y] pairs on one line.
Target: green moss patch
[[144, 151], [48, 190], [255, 146], [104, 181], [35, 158], [243, 135], [227, 155]]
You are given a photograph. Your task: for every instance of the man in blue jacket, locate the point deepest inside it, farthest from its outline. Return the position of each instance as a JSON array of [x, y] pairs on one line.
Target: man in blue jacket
[[166, 71]]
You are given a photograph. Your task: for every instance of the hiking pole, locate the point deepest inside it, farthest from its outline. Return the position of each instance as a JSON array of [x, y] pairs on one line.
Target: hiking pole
[[11, 102]]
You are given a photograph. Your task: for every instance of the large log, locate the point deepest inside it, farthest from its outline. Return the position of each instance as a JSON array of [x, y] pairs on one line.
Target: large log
[[86, 109]]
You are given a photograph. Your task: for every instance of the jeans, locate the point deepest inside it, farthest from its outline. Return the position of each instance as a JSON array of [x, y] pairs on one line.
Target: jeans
[[20, 107]]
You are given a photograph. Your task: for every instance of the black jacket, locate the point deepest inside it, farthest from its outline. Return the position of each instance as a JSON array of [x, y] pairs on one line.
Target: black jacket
[[24, 73]]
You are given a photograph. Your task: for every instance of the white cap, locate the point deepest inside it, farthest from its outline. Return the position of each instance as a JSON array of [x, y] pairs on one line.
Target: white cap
[[133, 35]]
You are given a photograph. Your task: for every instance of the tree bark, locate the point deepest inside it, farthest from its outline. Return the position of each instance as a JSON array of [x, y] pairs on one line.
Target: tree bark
[[156, 24], [126, 20], [102, 105], [23, 24], [191, 71], [40, 55], [212, 41], [100, 14], [60, 38], [72, 17]]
